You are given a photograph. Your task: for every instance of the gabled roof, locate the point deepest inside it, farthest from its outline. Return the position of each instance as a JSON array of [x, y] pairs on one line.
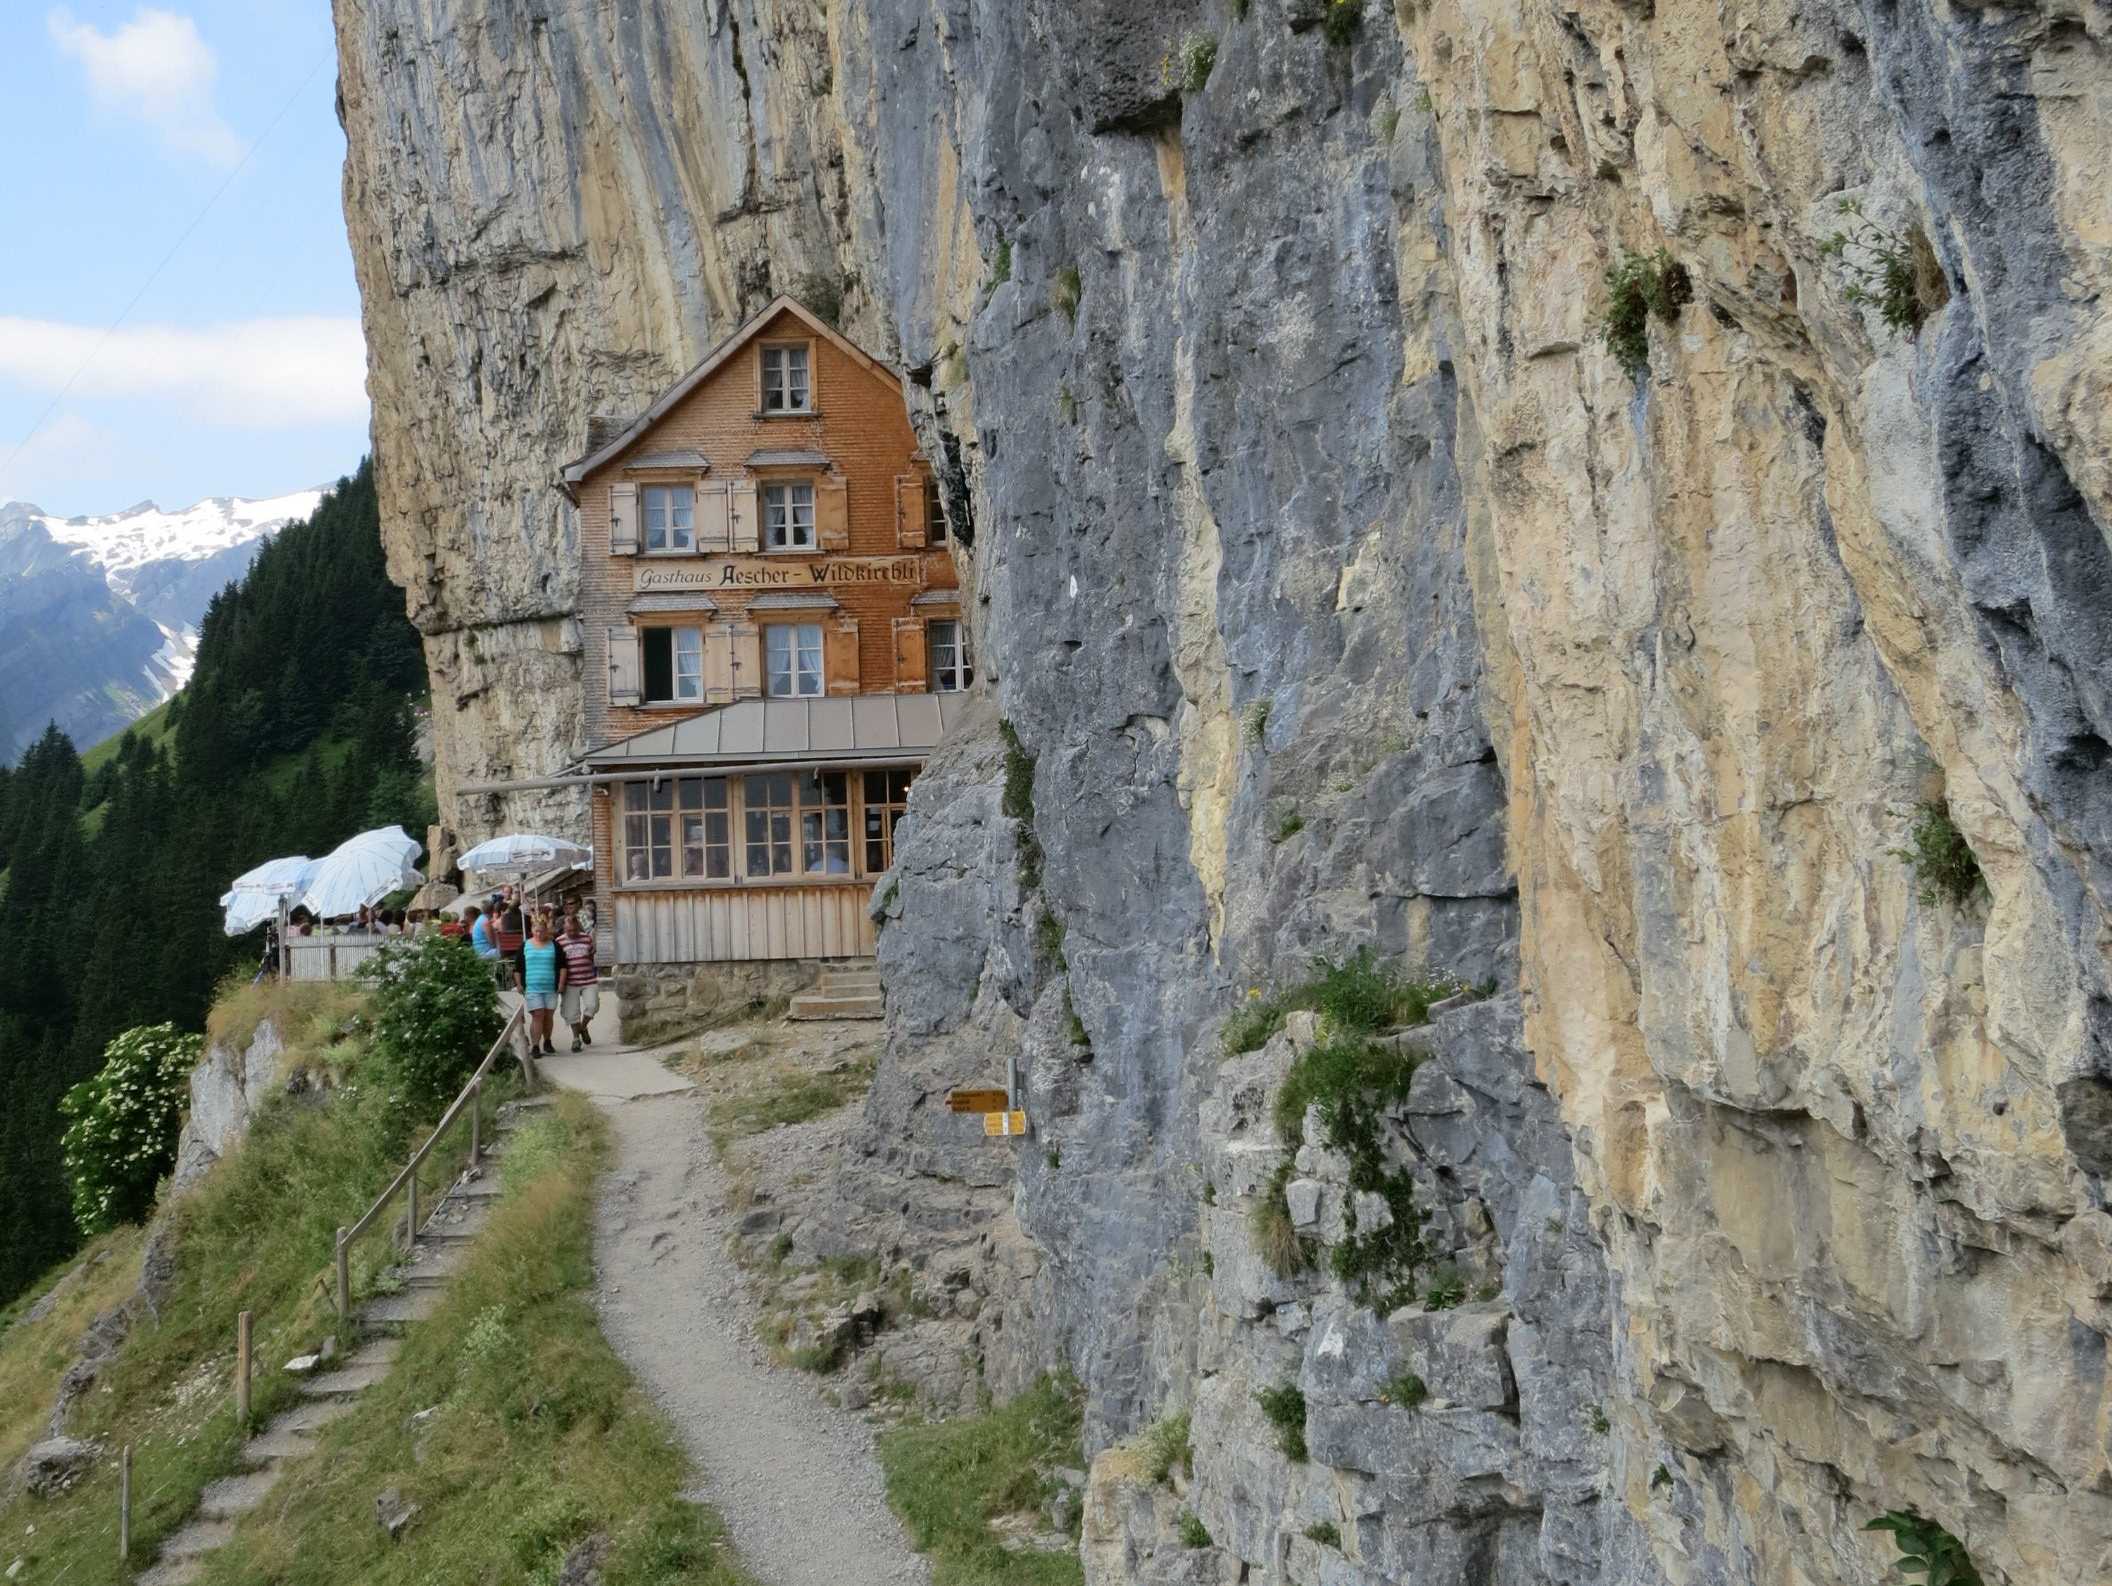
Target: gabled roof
[[574, 473], [875, 728]]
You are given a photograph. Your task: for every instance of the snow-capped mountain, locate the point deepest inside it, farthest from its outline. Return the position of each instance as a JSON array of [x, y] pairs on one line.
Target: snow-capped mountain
[[99, 615]]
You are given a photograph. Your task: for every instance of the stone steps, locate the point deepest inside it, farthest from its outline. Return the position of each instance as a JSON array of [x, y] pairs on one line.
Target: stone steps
[[441, 1250], [821, 1005], [231, 1497]]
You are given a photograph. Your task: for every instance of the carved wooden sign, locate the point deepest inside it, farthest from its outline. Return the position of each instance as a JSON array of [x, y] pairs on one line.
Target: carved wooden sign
[[976, 1101]]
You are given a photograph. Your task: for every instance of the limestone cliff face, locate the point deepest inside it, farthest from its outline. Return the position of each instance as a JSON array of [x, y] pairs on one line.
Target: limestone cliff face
[[1342, 588]]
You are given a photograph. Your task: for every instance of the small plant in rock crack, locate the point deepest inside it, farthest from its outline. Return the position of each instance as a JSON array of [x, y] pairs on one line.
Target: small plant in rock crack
[[1407, 1390], [1640, 285], [1066, 291], [1209, 1194], [1167, 1449], [1193, 1532], [1001, 270], [1940, 857], [1341, 21], [1275, 1235], [1287, 828], [1927, 1549], [1660, 1477], [1188, 67], [1447, 1288], [1257, 721], [1879, 268], [1284, 1405], [1325, 1532], [1596, 1418]]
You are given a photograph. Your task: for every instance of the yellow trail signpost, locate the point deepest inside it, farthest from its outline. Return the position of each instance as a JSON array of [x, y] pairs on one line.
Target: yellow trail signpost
[[1002, 1123]]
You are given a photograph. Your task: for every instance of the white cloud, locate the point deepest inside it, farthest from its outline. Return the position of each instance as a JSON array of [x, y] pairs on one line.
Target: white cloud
[[157, 68], [67, 450], [253, 373]]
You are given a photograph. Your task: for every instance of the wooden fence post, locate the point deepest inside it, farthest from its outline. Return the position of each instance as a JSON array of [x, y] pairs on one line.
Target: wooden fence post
[[410, 1226], [242, 1372], [344, 1277], [476, 1122], [124, 1504]]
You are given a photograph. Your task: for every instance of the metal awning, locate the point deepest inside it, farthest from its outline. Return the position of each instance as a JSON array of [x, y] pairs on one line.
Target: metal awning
[[876, 728], [673, 602], [788, 460], [676, 459]]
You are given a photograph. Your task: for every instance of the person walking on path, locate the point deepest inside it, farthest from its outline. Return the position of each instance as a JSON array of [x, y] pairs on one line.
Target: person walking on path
[[581, 996], [542, 970]]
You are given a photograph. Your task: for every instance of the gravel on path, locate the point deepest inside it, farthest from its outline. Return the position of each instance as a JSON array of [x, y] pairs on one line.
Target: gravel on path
[[795, 1479]]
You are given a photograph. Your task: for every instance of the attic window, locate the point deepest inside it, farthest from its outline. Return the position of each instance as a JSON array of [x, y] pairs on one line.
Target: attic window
[[786, 388]]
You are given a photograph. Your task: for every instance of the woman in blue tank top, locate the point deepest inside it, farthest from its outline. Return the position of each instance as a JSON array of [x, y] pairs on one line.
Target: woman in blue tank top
[[541, 966]]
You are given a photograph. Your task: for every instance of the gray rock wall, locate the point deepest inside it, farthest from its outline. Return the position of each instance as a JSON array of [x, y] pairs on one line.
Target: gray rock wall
[[1343, 589]]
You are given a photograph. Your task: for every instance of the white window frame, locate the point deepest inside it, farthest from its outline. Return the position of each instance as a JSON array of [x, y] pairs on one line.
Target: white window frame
[[792, 652], [783, 527], [677, 525], [788, 372], [952, 677], [685, 663]]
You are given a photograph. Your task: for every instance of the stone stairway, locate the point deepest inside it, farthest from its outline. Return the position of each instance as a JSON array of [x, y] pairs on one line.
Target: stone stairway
[[848, 989], [442, 1246]]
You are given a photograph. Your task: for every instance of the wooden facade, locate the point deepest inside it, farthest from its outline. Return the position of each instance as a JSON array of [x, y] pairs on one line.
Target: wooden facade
[[763, 565]]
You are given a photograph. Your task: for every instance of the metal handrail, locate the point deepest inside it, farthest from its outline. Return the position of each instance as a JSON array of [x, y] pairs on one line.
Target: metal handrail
[[470, 1091]]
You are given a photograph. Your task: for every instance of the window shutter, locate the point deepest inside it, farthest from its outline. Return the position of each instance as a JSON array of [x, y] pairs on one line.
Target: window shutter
[[623, 520], [832, 518], [911, 671], [840, 656], [624, 669], [747, 531], [747, 660], [718, 664], [714, 518], [909, 510]]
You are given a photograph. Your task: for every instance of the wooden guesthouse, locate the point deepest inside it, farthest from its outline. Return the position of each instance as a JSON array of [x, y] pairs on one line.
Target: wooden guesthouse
[[774, 644]]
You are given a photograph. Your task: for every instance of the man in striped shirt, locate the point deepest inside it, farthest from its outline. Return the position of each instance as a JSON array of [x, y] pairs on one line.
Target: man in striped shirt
[[582, 981]]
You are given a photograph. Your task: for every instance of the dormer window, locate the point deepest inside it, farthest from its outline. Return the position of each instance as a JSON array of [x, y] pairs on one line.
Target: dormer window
[[788, 517], [670, 517], [786, 387]]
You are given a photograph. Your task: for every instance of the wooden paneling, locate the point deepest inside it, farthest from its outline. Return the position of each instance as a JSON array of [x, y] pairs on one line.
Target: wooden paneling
[[728, 924]]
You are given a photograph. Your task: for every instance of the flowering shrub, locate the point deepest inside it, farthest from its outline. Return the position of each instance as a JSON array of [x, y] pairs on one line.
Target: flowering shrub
[[436, 1012], [125, 1121]]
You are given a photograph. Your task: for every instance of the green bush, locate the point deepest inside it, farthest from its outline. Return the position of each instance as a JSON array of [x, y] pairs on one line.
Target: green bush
[[1001, 271], [1275, 1235], [1927, 1549], [1325, 1532], [1940, 857], [1447, 1288], [436, 1013], [1342, 20], [1640, 285], [1284, 1405], [1407, 1390], [1193, 1532], [125, 1122], [1880, 270]]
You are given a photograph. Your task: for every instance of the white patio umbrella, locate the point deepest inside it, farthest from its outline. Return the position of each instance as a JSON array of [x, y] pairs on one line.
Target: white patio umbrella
[[254, 896], [523, 854], [361, 870]]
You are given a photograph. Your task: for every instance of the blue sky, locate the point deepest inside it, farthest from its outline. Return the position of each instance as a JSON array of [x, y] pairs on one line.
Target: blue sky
[[238, 372]]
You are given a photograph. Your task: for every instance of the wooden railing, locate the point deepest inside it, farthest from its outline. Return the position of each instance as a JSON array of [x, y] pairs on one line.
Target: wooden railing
[[406, 1182], [329, 957]]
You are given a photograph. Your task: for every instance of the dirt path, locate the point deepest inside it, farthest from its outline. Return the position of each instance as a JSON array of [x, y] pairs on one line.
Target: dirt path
[[795, 1479]]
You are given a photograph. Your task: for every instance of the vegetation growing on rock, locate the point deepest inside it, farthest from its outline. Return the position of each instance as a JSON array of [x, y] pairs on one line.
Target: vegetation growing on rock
[[1640, 285], [1284, 1406], [1945, 869]]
